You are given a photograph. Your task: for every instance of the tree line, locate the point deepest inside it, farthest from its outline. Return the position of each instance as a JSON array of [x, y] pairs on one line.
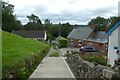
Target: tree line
[[10, 22]]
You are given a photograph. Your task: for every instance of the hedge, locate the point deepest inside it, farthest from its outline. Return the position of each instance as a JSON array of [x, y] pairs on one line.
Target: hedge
[[63, 42]]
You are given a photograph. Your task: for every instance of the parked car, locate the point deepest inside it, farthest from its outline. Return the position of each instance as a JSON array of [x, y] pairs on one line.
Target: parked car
[[89, 49]]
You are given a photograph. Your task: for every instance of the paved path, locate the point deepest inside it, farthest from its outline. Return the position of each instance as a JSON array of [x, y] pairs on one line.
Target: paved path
[[53, 67], [51, 52]]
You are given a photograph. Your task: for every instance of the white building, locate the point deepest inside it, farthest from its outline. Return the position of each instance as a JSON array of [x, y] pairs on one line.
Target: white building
[[114, 43], [119, 8]]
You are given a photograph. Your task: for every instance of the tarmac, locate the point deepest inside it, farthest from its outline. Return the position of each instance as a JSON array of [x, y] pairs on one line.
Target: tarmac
[[53, 67]]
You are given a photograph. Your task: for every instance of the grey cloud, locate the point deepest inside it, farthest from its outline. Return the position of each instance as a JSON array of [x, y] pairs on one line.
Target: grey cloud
[[73, 1], [82, 16]]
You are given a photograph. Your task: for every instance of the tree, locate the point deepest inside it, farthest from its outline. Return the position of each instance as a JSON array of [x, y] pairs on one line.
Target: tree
[[47, 21], [99, 22], [113, 20], [34, 23], [47, 24], [66, 29], [9, 21], [33, 18]]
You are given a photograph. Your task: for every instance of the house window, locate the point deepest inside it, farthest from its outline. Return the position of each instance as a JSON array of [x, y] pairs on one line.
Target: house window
[[115, 47]]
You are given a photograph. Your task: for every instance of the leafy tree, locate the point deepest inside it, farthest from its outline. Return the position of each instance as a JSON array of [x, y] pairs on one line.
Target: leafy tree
[[33, 18], [47, 21], [113, 20], [47, 25], [99, 22], [9, 21], [66, 29], [39, 22], [34, 23]]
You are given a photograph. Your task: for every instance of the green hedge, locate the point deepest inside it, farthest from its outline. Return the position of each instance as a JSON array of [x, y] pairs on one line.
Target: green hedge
[[63, 42]]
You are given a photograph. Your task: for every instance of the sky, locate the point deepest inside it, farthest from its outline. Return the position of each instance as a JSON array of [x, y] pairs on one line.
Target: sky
[[72, 11]]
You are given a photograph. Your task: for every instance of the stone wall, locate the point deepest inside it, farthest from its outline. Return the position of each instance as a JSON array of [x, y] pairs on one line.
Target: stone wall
[[85, 69]]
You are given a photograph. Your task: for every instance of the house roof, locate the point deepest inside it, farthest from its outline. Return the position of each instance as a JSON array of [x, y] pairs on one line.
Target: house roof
[[30, 34], [110, 30], [100, 37], [80, 33]]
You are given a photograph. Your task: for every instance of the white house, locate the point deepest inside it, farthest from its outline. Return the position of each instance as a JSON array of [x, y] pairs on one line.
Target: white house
[[114, 43]]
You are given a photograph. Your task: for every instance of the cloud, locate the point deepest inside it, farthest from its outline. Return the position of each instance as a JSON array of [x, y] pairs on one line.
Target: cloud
[[73, 11]]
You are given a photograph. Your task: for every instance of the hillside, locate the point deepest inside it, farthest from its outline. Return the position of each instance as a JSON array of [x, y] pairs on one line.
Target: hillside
[[15, 49]]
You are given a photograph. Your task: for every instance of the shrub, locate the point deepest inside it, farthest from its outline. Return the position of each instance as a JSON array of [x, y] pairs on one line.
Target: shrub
[[63, 42], [95, 58]]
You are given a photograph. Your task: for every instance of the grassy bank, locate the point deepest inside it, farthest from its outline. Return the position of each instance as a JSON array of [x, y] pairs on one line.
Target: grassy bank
[[20, 54]]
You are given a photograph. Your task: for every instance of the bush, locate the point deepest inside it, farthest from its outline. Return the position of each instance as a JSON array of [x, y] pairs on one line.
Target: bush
[[95, 58], [54, 55], [63, 42]]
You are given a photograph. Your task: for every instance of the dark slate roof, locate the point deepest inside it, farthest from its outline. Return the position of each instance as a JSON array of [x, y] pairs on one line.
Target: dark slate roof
[[109, 31], [80, 33], [30, 34], [100, 37]]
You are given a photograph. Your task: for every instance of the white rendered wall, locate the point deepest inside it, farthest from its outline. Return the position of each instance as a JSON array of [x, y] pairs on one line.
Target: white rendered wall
[[113, 42]]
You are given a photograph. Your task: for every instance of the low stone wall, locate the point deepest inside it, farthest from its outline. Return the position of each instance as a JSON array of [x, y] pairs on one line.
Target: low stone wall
[[85, 69]]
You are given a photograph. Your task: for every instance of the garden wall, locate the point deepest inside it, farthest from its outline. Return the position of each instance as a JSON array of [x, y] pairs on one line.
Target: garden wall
[[85, 69]]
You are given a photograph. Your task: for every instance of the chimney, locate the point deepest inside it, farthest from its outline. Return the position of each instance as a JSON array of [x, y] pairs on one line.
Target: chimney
[[93, 26]]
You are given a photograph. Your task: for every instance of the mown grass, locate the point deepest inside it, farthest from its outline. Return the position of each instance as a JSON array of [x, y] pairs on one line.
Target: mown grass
[[16, 49]]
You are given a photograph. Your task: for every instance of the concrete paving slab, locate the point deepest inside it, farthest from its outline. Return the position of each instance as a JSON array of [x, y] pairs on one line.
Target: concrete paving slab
[[53, 67]]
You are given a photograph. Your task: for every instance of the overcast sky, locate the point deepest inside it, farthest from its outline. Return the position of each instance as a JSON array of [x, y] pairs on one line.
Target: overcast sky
[[72, 11]]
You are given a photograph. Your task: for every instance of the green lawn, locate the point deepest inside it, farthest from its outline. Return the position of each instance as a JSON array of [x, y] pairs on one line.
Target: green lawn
[[15, 49]]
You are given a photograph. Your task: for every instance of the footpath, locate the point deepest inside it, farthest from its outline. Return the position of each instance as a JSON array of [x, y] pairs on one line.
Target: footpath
[[53, 67]]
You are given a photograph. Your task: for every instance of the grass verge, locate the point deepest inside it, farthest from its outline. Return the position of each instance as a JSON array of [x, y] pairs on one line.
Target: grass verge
[[20, 56], [54, 55]]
